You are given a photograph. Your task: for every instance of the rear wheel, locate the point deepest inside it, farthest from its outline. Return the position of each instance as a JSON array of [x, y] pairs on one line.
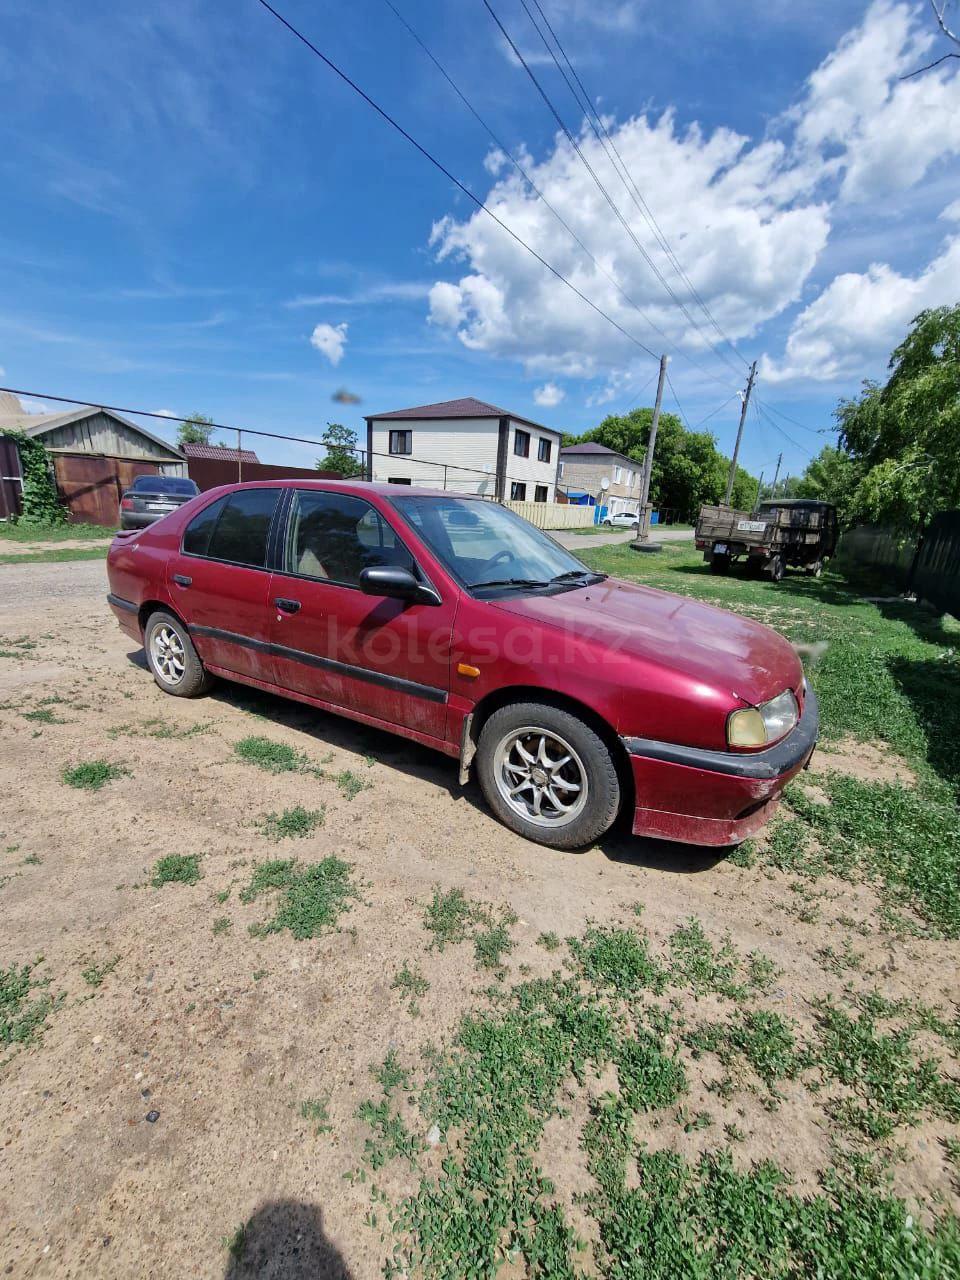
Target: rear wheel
[[719, 563], [547, 775], [173, 660], [815, 570], [775, 568]]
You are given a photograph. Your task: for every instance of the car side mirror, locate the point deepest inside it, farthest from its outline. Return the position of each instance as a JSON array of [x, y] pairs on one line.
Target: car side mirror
[[398, 583]]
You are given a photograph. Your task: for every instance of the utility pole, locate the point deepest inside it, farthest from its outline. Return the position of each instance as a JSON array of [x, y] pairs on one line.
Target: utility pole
[[760, 487], [745, 400], [776, 476], [643, 532]]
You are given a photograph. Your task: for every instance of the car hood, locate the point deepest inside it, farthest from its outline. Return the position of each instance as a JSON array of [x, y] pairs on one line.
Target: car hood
[[710, 645]]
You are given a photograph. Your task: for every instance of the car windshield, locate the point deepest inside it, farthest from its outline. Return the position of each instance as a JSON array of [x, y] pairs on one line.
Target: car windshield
[[165, 484], [489, 549]]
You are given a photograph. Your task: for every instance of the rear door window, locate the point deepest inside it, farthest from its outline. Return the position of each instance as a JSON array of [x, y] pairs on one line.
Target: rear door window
[[336, 536], [235, 528]]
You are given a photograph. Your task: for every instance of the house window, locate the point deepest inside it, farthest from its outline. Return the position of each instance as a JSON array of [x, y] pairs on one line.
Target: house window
[[543, 449], [518, 490], [630, 478], [399, 480], [618, 475], [521, 443], [560, 472], [401, 442], [540, 493]]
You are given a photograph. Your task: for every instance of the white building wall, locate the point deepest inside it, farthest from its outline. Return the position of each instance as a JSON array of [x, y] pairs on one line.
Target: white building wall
[[530, 471], [467, 447], [460, 454]]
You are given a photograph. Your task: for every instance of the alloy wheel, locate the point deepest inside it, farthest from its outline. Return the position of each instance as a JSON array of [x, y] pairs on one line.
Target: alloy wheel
[[540, 776]]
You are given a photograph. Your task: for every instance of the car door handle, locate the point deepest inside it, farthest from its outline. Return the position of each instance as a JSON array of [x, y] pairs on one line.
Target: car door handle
[[287, 606], [182, 580]]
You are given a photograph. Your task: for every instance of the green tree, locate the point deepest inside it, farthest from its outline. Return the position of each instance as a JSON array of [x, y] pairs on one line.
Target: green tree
[[341, 455], [197, 429], [688, 469], [831, 476], [903, 438]]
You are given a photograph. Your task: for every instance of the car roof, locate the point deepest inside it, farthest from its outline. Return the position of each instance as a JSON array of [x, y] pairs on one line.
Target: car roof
[[360, 488]]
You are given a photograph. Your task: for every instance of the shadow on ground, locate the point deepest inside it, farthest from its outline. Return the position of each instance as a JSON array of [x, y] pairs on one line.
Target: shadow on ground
[[285, 1240], [331, 730]]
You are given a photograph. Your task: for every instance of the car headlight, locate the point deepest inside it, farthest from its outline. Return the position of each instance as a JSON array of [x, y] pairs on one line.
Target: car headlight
[[760, 726]]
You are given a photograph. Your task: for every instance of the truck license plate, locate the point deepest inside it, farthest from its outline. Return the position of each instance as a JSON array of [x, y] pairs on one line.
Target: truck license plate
[[720, 548], [752, 526]]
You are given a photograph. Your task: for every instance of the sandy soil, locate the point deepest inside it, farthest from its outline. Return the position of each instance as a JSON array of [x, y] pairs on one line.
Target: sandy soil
[[183, 1027]]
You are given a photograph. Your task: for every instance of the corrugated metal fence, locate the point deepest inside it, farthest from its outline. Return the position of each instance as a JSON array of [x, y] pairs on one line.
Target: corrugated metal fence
[[928, 565]]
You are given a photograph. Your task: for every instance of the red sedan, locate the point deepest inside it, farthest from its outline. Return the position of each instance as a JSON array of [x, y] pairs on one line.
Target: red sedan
[[451, 621]]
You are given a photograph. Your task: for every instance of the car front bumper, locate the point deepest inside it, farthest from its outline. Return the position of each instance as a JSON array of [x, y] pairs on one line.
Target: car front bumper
[[715, 797]]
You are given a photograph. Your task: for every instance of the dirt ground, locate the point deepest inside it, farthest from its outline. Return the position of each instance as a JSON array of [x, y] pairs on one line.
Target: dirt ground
[[225, 1034]]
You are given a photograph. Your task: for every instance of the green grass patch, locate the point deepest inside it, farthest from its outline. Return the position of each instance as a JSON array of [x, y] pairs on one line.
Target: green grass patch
[[451, 917], [91, 775], [485, 1100], [222, 925], [22, 532], [273, 757], [316, 1111], [412, 985], [351, 784], [23, 1012], [43, 715], [61, 556], [291, 824], [176, 868], [94, 974], [311, 898]]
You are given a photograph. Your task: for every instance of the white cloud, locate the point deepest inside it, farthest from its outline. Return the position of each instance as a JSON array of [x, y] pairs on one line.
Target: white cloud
[[748, 218], [365, 295], [548, 395], [860, 317], [330, 340], [890, 131], [165, 413], [952, 212], [746, 242]]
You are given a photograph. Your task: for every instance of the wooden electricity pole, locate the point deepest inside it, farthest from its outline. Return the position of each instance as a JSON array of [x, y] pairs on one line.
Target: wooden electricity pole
[[643, 532], [776, 476], [736, 448]]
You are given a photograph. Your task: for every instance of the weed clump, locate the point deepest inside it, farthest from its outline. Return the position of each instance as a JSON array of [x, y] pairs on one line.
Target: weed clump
[[311, 898]]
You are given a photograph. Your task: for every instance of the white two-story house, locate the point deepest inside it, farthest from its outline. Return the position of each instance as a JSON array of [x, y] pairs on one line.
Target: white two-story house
[[467, 446]]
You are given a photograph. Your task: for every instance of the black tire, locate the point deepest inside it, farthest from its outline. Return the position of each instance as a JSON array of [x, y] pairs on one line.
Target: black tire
[[775, 568], [592, 760], [815, 570], [194, 679], [719, 563]]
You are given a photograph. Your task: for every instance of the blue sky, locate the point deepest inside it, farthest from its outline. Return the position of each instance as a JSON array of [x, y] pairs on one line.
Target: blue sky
[[199, 216]]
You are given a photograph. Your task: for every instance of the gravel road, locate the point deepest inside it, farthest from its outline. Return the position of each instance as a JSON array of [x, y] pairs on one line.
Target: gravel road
[[24, 585]]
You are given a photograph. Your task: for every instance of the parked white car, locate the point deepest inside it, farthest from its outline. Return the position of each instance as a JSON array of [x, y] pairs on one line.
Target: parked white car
[[622, 520]]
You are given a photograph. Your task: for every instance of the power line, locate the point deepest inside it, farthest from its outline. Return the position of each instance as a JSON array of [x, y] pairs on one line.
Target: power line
[[245, 431], [713, 412], [817, 431], [677, 402], [521, 170], [602, 189], [385, 115], [776, 426], [584, 100]]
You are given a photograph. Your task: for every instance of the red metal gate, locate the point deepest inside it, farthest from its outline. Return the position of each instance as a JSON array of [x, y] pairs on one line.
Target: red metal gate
[[91, 484]]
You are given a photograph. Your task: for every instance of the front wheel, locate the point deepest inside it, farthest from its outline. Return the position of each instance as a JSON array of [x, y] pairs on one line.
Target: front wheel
[[775, 568], [173, 660], [547, 775]]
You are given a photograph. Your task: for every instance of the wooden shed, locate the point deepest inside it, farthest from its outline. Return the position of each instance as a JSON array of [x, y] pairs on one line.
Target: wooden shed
[[97, 453]]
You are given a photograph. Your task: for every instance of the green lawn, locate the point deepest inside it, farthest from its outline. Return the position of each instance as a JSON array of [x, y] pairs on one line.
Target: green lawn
[[52, 532]]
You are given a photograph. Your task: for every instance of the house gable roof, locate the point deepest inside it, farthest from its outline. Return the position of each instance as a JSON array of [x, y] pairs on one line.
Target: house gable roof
[[590, 451], [219, 452], [466, 407], [39, 424]]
